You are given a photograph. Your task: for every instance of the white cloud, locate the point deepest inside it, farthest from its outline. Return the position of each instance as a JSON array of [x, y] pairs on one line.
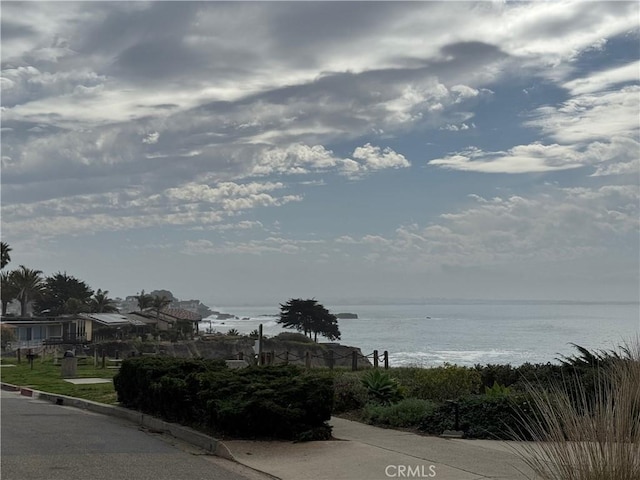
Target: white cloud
[[559, 224], [151, 138], [532, 158], [605, 79]]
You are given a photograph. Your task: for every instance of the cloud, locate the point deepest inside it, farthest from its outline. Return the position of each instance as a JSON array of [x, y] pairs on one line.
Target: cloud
[[605, 79], [532, 158], [151, 138], [559, 224]]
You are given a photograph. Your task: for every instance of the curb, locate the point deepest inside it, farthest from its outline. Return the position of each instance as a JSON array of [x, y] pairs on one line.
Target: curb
[[186, 434]]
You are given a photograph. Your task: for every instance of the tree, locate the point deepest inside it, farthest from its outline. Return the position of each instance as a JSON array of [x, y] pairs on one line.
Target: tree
[[144, 300], [309, 317], [28, 284], [158, 303], [8, 291], [5, 258], [59, 289], [101, 303]]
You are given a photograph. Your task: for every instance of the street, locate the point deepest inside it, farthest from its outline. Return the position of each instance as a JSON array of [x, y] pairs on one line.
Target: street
[[44, 441]]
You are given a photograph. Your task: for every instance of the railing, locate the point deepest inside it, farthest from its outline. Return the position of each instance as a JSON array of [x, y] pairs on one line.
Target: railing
[[329, 359]]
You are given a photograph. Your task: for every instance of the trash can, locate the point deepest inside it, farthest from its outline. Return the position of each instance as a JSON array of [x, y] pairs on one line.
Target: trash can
[[69, 364]]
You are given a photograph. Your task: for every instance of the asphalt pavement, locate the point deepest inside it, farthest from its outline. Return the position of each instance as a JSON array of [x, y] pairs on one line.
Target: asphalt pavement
[[44, 441]]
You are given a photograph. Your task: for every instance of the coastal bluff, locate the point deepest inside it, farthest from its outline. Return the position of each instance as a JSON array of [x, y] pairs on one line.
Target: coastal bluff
[[223, 347]]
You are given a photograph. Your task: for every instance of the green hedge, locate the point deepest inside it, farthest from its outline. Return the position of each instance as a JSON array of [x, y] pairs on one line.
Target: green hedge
[[482, 416], [284, 402]]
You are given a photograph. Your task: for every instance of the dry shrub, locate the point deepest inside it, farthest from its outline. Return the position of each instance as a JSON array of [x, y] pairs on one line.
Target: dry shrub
[[586, 433]]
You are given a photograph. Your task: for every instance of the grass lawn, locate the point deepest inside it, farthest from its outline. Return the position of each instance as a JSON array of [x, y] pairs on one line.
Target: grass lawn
[[45, 376]]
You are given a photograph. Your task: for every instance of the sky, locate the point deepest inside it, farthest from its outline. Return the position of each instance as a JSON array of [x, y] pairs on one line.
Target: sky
[[241, 152]]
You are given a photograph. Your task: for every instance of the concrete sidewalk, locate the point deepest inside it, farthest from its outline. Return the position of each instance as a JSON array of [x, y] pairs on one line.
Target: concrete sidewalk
[[359, 451], [363, 452]]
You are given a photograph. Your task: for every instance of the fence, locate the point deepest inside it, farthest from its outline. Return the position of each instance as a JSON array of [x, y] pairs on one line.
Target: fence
[[329, 359]]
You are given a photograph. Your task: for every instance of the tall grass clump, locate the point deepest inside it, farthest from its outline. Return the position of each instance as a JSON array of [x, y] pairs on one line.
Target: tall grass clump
[[588, 431]]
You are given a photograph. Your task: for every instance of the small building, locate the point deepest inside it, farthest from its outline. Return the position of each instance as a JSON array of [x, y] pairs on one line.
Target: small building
[[37, 331], [167, 318], [113, 324]]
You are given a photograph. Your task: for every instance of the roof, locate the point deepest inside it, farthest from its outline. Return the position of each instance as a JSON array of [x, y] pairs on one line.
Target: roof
[[182, 314], [111, 319]]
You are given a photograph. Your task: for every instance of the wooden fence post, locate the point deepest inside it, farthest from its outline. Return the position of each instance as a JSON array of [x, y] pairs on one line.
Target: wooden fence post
[[331, 360], [375, 359], [354, 360], [307, 359], [19, 360], [260, 356], [386, 360], [273, 357], [286, 357], [104, 359]]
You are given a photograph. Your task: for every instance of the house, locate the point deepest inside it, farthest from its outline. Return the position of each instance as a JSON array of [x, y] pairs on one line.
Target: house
[[167, 318], [111, 323], [36, 331]]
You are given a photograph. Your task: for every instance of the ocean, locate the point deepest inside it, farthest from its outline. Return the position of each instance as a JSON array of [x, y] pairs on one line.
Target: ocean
[[464, 333]]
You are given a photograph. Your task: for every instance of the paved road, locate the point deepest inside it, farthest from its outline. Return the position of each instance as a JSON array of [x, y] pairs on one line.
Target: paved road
[[44, 441]]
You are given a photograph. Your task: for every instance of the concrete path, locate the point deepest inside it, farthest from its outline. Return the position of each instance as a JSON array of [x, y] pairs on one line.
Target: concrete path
[[363, 452], [44, 438]]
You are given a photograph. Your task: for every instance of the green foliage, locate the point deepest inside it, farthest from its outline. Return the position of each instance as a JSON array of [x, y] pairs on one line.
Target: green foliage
[[7, 334], [257, 402], [482, 416], [292, 337], [28, 285], [101, 303], [5, 256], [233, 332], [381, 387], [409, 412], [447, 382], [45, 376], [497, 390], [62, 294], [309, 317], [254, 333], [349, 393], [144, 300]]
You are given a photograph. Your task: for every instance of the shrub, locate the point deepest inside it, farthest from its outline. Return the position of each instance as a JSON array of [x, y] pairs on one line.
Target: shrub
[[409, 412], [349, 393], [274, 402], [381, 387], [439, 383], [481, 416], [497, 390], [293, 337]]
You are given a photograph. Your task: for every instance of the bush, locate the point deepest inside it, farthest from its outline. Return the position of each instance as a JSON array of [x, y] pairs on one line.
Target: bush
[[349, 393], [257, 402], [482, 416], [381, 387], [293, 337], [438, 383], [409, 412]]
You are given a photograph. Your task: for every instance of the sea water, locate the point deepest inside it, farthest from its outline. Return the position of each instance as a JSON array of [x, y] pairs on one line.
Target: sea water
[[463, 333]]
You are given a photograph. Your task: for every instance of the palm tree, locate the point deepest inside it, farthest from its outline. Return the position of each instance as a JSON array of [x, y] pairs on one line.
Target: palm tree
[[4, 254], [8, 291], [158, 303], [101, 303], [29, 285], [144, 300]]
